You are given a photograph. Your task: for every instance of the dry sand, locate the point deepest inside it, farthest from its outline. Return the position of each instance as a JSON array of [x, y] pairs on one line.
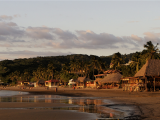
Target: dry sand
[[148, 103]]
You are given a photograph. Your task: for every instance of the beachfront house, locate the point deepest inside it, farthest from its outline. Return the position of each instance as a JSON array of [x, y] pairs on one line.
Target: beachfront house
[[99, 77], [107, 79], [52, 83], [133, 83], [148, 77], [91, 83], [111, 80], [81, 82], [21, 83]]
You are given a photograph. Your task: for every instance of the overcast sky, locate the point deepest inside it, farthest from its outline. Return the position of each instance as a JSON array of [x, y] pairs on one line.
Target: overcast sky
[[52, 28]]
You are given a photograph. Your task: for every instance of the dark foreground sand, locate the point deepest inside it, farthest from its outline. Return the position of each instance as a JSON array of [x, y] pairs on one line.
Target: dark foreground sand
[[148, 104], [44, 115]]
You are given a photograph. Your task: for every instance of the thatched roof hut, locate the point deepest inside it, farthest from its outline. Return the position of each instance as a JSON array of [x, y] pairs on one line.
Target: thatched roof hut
[[111, 78], [82, 79], [151, 68]]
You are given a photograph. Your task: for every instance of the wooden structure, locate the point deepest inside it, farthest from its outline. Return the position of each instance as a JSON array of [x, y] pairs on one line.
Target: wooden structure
[[148, 77], [91, 83], [98, 78], [133, 83], [81, 82], [151, 74], [20, 83], [111, 80], [52, 83], [108, 79]]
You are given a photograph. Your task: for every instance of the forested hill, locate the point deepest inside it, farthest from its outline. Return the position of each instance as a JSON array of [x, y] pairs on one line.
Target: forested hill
[[31, 68]]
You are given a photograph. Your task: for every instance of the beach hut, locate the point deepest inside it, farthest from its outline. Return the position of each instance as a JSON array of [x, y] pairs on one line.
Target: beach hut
[[91, 83], [81, 82], [147, 78], [149, 74], [20, 83], [52, 83], [102, 76], [111, 80], [99, 77], [132, 83]]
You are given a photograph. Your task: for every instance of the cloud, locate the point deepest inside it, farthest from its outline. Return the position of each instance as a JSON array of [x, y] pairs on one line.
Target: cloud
[[5, 17], [11, 24], [10, 29], [11, 35], [16, 15], [40, 33], [135, 37], [93, 40], [65, 35], [151, 36]]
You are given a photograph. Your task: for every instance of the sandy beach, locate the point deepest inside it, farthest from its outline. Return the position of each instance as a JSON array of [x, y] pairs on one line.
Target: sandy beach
[[147, 103]]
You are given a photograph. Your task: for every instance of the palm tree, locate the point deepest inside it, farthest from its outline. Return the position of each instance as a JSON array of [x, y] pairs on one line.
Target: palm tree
[[136, 58], [151, 50], [100, 65], [116, 60], [94, 63]]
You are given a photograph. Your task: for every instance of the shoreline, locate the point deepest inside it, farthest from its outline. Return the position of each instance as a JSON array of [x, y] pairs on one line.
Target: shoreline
[[146, 102]]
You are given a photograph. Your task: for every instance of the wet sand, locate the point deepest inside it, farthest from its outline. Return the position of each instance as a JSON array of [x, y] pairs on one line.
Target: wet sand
[[148, 103], [44, 115]]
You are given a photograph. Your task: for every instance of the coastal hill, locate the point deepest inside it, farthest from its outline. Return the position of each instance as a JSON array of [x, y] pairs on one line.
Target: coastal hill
[[25, 69]]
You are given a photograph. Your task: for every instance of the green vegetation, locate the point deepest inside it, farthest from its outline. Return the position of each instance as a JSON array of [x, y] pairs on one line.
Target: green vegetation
[[64, 68]]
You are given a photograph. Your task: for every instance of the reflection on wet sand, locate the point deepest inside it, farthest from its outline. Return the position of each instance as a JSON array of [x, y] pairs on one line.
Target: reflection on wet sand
[[84, 104]]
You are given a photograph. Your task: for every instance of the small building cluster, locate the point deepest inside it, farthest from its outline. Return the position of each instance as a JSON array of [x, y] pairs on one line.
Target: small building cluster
[[147, 78], [110, 79]]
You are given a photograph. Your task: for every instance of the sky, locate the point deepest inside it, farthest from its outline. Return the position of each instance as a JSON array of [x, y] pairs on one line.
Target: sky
[[51, 28]]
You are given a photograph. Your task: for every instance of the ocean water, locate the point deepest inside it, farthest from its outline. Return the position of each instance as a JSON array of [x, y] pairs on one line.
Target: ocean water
[[4, 93], [103, 108]]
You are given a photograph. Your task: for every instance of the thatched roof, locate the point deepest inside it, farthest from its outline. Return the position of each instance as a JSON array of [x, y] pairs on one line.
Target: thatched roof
[[151, 68], [82, 79], [110, 78], [111, 71], [100, 75]]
